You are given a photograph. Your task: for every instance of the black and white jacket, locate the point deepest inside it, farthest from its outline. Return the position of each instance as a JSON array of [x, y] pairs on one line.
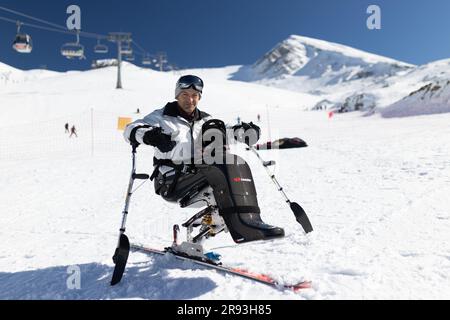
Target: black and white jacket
[[186, 134]]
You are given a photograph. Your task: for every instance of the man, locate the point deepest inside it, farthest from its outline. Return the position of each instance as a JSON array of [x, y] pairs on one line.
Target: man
[[73, 131], [176, 133]]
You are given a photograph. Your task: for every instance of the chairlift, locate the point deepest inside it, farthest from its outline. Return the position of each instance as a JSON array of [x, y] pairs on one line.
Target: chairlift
[[146, 60], [22, 43], [129, 57], [126, 49], [100, 48], [73, 50]]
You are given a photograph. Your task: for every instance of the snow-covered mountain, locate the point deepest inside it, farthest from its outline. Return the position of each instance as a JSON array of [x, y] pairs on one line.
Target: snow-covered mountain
[[7, 73], [330, 76], [332, 71], [312, 58], [374, 97], [10, 75], [345, 79], [430, 99]]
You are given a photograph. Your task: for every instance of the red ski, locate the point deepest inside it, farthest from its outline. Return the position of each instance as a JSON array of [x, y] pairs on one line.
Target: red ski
[[258, 277]]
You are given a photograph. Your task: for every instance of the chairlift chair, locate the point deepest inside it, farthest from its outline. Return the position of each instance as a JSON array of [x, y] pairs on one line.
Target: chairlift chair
[[146, 60], [100, 48], [126, 50], [73, 50], [22, 43]]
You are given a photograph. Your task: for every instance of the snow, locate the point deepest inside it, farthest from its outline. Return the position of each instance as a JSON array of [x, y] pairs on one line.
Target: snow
[[315, 58], [322, 68], [374, 189], [430, 99], [348, 51], [338, 73], [10, 75]]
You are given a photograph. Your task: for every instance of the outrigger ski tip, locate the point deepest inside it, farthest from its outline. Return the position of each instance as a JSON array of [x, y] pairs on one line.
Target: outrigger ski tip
[[204, 261]]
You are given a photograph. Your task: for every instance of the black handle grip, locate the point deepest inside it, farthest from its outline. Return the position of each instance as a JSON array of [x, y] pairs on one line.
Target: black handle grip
[[141, 176]]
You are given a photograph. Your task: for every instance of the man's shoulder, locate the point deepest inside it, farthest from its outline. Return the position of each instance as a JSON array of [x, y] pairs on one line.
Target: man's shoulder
[[204, 115], [158, 111]]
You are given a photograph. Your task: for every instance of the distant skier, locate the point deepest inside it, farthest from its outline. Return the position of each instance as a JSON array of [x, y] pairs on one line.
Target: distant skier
[[176, 131], [66, 126], [73, 131], [238, 120], [138, 111], [259, 117]]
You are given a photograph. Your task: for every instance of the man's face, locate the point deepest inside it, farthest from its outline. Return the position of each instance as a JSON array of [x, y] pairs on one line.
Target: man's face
[[188, 100]]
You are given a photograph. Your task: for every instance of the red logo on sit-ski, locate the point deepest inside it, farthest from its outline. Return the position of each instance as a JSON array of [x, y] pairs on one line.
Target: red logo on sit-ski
[[237, 179]]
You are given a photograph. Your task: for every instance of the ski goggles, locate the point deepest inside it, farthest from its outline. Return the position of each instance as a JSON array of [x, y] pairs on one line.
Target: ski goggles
[[187, 82]]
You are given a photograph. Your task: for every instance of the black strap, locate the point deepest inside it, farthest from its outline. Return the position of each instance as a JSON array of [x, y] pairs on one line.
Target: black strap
[[165, 162], [179, 168], [175, 181], [157, 163], [154, 173]]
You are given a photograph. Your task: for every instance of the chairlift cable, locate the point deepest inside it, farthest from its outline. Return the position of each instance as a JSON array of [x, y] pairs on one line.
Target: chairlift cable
[[31, 17], [82, 34], [62, 29], [139, 46], [34, 26], [8, 20]]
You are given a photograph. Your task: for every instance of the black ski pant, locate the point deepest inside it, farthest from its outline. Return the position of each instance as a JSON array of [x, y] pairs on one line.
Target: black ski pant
[[232, 184], [172, 186]]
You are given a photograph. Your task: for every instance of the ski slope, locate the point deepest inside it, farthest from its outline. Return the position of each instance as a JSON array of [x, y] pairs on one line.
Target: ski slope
[[375, 190]]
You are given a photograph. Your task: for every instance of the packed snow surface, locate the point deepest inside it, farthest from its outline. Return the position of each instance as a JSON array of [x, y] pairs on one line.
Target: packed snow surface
[[375, 189]]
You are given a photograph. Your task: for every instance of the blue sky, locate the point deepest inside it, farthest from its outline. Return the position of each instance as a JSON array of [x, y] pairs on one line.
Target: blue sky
[[208, 33]]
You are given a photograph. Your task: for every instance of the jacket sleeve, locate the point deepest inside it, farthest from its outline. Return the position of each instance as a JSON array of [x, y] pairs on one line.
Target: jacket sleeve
[[135, 131]]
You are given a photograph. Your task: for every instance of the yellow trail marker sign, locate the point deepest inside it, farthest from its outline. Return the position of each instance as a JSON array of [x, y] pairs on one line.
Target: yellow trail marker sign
[[122, 123]]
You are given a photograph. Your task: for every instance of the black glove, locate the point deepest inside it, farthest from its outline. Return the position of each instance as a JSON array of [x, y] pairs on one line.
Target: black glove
[[132, 137], [158, 139], [250, 133]]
